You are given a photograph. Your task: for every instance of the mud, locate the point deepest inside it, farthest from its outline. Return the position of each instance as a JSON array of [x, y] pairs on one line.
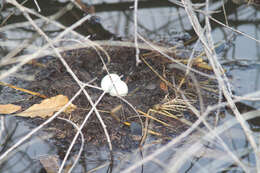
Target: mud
[[146, 91]]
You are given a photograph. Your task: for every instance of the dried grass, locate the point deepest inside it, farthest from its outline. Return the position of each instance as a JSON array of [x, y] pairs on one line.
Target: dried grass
[[213, 134]]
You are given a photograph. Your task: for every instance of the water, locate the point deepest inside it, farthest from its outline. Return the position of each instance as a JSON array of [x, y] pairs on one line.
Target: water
[[157, 21]]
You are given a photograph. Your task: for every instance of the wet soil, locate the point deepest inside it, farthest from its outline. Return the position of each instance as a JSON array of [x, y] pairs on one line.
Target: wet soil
[[146, 91]]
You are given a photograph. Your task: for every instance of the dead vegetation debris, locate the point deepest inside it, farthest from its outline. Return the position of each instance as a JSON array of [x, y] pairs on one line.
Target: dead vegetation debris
[[159, 100]]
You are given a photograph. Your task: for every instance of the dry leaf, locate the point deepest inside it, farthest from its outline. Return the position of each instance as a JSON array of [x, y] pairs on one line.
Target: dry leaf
[[204, 65], [50, 163], [163, 86], [9, 108], [47, 107]]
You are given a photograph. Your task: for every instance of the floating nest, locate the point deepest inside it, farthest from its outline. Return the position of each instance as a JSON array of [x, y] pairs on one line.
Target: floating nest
[[158, 89]]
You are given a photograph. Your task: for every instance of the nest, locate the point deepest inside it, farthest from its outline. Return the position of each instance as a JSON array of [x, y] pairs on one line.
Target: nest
[[156, 92]]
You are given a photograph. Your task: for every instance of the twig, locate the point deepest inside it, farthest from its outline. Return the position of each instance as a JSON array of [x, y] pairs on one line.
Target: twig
[[33, 131], [82, 143], [207, 41], [137, 51]]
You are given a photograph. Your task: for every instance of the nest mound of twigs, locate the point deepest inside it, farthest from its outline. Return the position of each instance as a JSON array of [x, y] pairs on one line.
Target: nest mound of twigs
[[158, 91]]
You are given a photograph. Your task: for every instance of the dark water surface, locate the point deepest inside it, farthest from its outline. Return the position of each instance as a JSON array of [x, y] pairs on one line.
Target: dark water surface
[[158, 21]]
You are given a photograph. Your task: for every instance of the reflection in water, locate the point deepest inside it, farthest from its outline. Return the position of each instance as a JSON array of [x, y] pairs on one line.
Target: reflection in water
[[26, 157], [244, 108], [111, 20]]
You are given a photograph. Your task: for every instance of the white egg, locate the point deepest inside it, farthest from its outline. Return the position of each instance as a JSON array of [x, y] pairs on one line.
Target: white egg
[[120, 89], [107, 84]]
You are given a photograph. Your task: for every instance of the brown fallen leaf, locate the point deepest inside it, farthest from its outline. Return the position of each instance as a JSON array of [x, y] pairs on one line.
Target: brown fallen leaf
[[47, 107], [50, 163], [163, 86], [9, 108]]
